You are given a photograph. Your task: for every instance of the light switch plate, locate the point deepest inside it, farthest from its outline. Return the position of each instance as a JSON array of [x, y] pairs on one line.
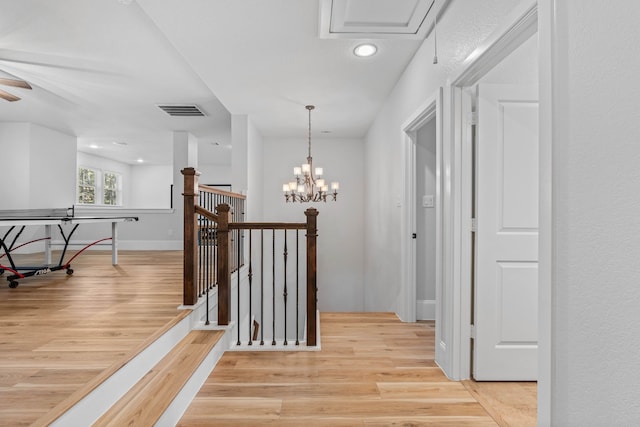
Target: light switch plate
[[427, 201]]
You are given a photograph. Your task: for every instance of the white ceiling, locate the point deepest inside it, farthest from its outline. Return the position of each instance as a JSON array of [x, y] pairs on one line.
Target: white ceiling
[[99, 68]]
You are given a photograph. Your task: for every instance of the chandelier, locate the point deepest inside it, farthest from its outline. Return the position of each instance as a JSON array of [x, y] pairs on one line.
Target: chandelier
[[308, 185]]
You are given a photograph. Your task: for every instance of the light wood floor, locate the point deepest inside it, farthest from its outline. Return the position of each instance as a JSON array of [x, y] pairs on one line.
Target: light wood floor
[[60, 335], [373, 370]]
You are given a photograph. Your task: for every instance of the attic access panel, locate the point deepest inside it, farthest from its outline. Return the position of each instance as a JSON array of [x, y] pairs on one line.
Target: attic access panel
[[361, 19]]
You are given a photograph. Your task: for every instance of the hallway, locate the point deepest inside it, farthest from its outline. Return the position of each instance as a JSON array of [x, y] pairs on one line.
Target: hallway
[[372, 370]]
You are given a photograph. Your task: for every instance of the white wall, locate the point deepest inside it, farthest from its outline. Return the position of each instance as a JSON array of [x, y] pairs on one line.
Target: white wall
[[149, 186], [239, 156], [52, 167], [589, 82], [38, 167], [340, 223], [215, 174], [15, 147], [255, 173]]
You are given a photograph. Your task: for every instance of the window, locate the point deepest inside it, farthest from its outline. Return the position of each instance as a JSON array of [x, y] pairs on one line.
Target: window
[[96, 187], [110, 189], [86, 186]]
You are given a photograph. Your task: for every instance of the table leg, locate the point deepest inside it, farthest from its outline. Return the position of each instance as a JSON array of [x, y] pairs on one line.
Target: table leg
[[47, 244], [114, 243]]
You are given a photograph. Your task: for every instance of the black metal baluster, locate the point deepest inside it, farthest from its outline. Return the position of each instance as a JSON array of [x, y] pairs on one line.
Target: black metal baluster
[[284, 294], [238, 282], [273, 287], [204, 235], [208, 260], [297, 285], [261, 286], [250, 282]]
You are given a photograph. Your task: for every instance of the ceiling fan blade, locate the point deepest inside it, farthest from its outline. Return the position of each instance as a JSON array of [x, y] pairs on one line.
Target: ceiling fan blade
[[15, 83], [8, 96]]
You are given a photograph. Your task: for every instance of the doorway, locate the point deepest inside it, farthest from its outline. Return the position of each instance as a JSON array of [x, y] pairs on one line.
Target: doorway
[[425, 215], [423, 300]]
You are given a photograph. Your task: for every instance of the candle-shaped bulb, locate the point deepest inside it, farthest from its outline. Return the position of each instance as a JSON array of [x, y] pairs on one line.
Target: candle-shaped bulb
[[335, 186]]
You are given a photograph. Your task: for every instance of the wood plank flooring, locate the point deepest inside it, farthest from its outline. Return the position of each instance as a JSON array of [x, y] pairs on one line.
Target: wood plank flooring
[[61, 335], [145, 403], [373, 370]]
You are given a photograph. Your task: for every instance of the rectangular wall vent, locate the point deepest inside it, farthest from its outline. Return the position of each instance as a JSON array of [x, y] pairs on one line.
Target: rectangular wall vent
[[182, 110]]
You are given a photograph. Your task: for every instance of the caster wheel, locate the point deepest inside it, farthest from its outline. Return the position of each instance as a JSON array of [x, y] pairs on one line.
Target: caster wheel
[[69, 271], [13, 285]]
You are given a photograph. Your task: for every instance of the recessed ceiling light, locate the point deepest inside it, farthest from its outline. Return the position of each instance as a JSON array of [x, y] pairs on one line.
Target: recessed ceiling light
[[364, 50], [140, 161], [94, 146]]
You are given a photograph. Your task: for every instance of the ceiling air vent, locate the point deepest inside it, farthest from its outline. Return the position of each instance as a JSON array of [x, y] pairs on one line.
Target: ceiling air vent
[[181, 110]]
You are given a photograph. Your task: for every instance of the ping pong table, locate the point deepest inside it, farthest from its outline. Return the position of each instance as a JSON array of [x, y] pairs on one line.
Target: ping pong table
[[67, 223]]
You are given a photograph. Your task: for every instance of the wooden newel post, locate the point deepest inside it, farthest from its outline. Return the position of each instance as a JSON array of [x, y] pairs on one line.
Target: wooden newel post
[[224, 272], [190, 255], [312, 289]]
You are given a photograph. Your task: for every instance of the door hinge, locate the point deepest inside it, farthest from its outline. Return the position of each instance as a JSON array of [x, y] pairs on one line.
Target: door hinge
[[474, 225], [472, 331], [472, 118]]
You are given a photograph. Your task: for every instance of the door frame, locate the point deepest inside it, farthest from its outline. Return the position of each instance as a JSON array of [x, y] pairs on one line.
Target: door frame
[[431, 109], [518, 27]]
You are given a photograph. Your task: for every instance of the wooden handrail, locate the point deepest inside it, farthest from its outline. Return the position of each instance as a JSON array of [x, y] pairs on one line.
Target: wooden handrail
[[268, 226], [206, 213], [213, 190]]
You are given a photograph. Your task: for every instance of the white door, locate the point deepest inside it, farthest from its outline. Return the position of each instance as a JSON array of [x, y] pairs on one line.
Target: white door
[[506, 264]]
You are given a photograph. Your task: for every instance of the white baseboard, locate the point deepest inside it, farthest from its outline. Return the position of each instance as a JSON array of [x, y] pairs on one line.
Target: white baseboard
[[125, 245], [426, 309]]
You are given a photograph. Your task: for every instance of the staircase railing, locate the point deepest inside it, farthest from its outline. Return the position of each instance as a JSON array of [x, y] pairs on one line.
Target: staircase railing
[[215, 245]]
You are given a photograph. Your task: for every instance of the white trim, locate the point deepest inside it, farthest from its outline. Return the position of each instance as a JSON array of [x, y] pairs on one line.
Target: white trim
[[426, 309], [518, 27], [547, 84], [422, 31]]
